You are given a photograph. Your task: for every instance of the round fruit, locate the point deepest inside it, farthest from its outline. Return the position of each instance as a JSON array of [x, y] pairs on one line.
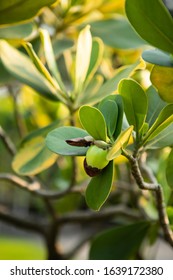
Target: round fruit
[[96, 157]]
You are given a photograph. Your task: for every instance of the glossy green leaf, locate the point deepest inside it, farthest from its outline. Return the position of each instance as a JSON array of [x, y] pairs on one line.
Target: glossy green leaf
[[56, 141], [121, 35], [169, 168], [158, 57], [93, 121], [162, 140], [17, 10], [111, 85], [152, 21], [120, 143], [119, 243], [21, 67], [109, 110], [33, 156], [18, 31], [155, 105], [50, 57], [83, 54], [119, 102], [99, 188], [135, 102], [162, 79], [164, 119]]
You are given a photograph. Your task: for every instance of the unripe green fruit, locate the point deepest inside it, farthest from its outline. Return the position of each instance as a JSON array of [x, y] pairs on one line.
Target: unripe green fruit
[[96, 157]]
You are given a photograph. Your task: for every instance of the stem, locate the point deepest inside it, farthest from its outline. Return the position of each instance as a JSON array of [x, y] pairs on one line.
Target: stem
[[7, 142], [155, 187]]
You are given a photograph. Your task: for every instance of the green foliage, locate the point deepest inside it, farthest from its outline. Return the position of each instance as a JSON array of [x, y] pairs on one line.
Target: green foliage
[[84, 58], [99, 188], [119, 243], [152, 21], [15, 10]]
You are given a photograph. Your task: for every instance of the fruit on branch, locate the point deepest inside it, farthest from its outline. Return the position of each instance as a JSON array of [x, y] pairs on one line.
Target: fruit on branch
[[95, 160]]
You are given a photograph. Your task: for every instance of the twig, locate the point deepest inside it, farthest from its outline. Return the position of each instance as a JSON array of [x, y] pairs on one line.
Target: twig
[[153, 186], [89, 216], [7, 217], [35, 187], [7, 142]]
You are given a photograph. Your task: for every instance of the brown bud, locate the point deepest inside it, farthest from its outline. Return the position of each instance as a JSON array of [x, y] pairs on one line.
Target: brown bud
[[91, 171]]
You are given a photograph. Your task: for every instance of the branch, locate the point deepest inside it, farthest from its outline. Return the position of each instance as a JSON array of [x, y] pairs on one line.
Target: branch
[[153, 186], [7, 142], [89, 216], [35, 187], [7, 217]]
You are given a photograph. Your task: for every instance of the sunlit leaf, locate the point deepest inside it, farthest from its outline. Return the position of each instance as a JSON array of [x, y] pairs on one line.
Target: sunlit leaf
[[155, 105], [50, 57], [162, 79], [121, 35], [33, 156], [120, 143], [119, 243], [56, 141], [99, 188], [164, 119], [93, 121], [83, 53], [158, 57], [135, 102], [162, 140], [16, 10], [152, 21], [21, 67]]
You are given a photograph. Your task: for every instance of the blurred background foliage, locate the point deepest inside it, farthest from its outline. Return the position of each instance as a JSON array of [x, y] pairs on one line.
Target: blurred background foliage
[[27, 117]]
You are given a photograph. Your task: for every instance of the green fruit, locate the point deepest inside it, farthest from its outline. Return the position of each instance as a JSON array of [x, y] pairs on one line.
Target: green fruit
[[96, 157]]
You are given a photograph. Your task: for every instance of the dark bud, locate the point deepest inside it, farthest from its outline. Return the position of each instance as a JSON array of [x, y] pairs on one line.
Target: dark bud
[[78, 142], [91, 171]]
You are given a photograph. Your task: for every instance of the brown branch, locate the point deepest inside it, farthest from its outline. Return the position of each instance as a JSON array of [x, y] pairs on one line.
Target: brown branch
[[89, 216], [7, 217], [35, 187], [157, 189]]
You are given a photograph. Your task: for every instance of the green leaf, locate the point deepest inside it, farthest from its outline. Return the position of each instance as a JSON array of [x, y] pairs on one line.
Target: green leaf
[[109, 110], [158, 57], [33, 156], [50, 57], [162, 140], [93, 121], [152, 21], [56, 141], [164, 119], [18, 31], [83, 54], [120, 143], [162, 78], [111, 85], [120, 36], [61, 45], [119, 243], [119, 102], [169, 168], [17, 10], [20, 67], [96, 57], [99, 188], [155, 105], [135, 102]]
